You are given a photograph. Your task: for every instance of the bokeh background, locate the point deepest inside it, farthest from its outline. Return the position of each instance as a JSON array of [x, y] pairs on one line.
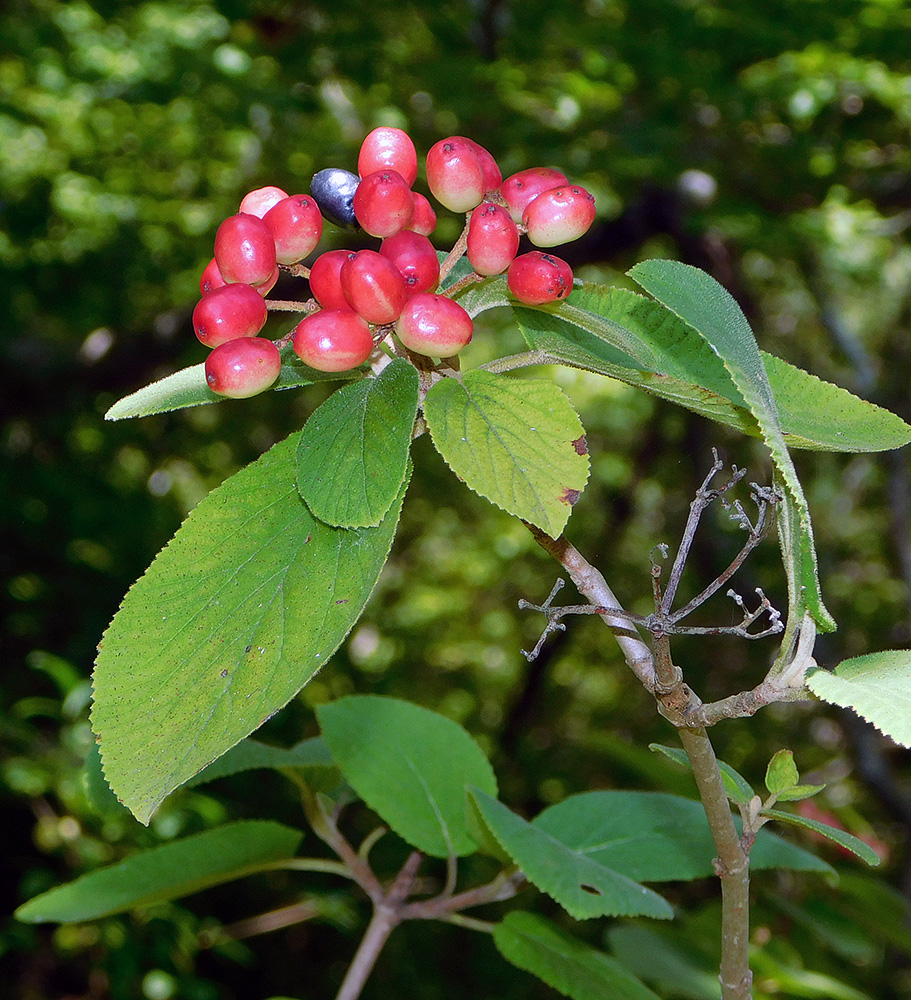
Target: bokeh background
[[767, 142]]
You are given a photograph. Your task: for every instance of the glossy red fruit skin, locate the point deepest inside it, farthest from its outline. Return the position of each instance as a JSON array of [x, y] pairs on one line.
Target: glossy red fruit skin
[[424, 220], [268, 285], [493, 177], [383, 205], [455, 175], [333, 340], [211, 278], [493, 239], [416, 260], [559, 216], [245, 250], [325, 280], [536, 278], [259, 202], [296, 224], [520, 189], [228, 313], [387, 148], [242, 368], [434, 325], [373, 286]]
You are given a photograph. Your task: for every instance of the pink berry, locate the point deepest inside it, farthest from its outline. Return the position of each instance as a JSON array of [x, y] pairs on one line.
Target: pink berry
[[424, 220], [493, 239], [259, 202], [559, 215], [325, 279], [387, 148], [521, 188], [455, 175], [536, 278], [415, 259], [227, 313], [266, 286], [296, 225], [373, 286], [434, 325], [383, 205], [211, 278], [245, 250], [244, 367], [492, 175], [333, 340]]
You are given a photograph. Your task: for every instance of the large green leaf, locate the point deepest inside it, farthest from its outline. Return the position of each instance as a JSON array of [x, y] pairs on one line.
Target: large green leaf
[[243, 606], [711, 310], [876, 686], [167, 872], [840, 837], [517, 442], [411, 766], [353, 450], [655, 837], [583, 886], [575, 969]]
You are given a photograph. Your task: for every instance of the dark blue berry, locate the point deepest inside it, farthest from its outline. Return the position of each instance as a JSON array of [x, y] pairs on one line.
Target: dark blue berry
[[333, 190]]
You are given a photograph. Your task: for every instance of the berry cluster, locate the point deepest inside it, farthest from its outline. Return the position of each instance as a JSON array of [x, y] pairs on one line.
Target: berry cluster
[[362, 298]]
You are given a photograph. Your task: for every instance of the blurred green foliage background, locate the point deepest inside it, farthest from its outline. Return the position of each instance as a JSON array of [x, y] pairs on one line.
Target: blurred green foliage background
[[767, 142]]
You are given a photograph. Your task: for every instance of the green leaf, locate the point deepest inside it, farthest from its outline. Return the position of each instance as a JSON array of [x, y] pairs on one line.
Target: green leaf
[[876, 686], [517, 442], [648, 953], [353, 452], [737, 788], [799, 792], [711, 310], [411, 766], [843, 839], [188, 388], [574, 969], [251, 755], [583, 886], [655, 837], [243, 606], [782, 773], [167, 872]]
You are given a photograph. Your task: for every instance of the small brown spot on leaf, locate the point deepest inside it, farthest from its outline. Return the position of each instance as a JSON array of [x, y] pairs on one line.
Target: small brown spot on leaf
[[309, 536], [224, 673], [570, 496], [593, 890], [581, 445], [345, 601]]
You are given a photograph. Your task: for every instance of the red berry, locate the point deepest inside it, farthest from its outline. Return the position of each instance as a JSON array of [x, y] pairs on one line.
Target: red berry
[[245, 250], [559, 215], [333, 340], [325, 281], [244, 367], [415, 259], [383, 204], [492, 175], [434, 325], [455, 175], [493, 239], [387, 148], [297, 225], [259, 202], [211, 278], [266, 286], [373, 286], [424, 220], [519, 189], [536, 278], [227, 313]]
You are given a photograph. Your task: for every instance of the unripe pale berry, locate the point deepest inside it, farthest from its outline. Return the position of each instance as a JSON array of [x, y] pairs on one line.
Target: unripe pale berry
[[559, 215], [245, 250], [491, 171], [211, 278], [333, 340], [387, 148], [521, 188], [244, 367], [493, 239], [434, 325], [415, 258], [424, 220], [383, 204], [454, 174], [373, 286], [227, 313], [259, 202], [333, 190], [536, 278], [296, 225], [325, 280]]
